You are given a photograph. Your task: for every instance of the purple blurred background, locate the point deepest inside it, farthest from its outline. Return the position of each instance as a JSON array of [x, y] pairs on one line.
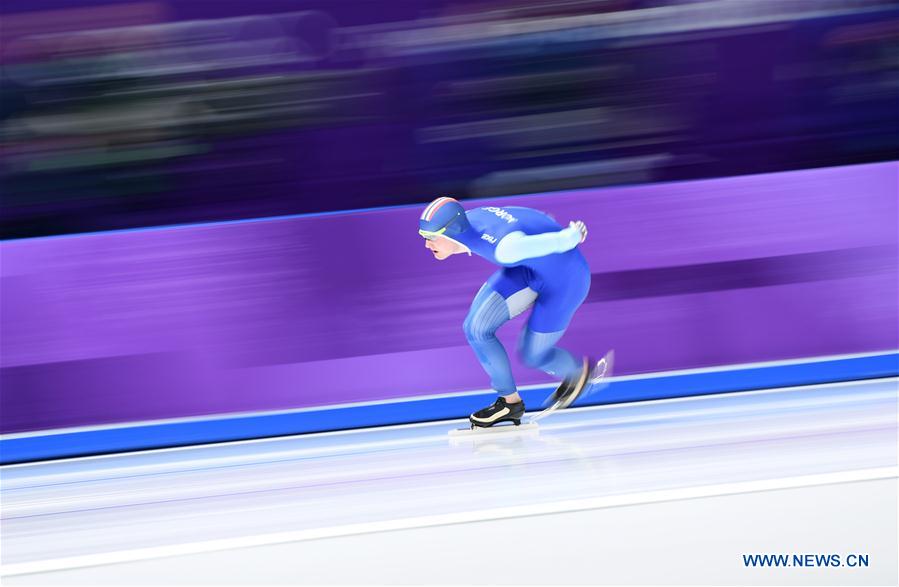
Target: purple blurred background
[[117, 115], [313, 310]]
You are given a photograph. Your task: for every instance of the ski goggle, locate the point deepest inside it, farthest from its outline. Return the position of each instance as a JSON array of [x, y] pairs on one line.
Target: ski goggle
[[430, 234]]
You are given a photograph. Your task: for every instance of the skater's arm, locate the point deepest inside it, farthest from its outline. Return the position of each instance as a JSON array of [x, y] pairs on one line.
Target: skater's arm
[[518, 246]]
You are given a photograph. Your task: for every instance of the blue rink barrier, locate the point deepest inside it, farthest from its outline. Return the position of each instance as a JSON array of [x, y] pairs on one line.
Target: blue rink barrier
[[74, 442]]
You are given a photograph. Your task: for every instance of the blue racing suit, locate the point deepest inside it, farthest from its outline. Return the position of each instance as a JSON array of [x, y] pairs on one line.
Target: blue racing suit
[[540, 267]]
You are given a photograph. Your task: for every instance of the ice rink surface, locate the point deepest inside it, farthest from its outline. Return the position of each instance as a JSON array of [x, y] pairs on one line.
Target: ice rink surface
[[132, 518]]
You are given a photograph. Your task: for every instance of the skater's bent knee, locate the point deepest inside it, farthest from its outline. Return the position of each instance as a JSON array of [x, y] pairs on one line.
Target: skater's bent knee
[[475, 332]]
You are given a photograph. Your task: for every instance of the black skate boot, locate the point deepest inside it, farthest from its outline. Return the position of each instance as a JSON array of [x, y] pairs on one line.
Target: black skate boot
[[500, 411], [573, 386]]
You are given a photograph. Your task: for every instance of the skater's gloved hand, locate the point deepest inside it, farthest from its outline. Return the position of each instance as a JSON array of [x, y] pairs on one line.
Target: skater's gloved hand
[[576, 232]]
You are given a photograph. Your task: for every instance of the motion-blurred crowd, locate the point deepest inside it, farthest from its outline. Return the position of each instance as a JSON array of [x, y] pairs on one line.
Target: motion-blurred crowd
[[128, 114]]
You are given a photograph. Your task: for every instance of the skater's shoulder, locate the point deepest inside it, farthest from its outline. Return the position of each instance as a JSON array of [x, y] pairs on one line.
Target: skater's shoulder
[[507, 214], [500, 221], [491, 217]]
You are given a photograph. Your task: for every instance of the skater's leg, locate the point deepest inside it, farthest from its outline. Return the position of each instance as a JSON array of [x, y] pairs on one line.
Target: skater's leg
[[539, 351], [489, 312], [552, 315], [504, 296]]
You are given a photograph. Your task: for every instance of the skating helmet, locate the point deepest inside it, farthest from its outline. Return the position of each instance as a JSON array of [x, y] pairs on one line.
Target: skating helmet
[[443, 217]]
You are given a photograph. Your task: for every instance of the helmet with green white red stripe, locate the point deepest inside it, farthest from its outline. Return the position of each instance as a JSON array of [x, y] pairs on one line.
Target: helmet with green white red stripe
[[443, 217]]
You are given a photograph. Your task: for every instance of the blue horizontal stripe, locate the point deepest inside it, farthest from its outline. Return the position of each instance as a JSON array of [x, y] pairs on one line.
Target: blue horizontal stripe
[[54, 445]]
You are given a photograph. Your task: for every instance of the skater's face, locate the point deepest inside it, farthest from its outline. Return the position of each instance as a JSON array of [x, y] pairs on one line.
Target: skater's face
[[441, 247]]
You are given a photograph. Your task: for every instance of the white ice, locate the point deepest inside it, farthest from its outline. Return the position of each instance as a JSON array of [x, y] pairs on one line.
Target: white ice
[[97, 506]]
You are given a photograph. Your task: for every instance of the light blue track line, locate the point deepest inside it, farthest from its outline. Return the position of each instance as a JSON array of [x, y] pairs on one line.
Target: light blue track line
[[61, 444]]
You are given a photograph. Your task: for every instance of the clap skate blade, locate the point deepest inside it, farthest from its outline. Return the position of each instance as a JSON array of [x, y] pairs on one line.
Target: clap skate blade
[[495, 430]]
